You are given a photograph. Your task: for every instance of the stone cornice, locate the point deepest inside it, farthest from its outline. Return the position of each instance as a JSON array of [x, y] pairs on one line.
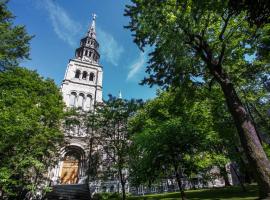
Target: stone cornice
[[79, 83], [86, 64]]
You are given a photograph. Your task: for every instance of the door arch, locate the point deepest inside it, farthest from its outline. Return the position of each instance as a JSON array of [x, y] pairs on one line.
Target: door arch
[[70, 168]]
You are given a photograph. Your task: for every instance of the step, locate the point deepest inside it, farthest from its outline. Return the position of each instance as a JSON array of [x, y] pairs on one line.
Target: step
[[69, 192]]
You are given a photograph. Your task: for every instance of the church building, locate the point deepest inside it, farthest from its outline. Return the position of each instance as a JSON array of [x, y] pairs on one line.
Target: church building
[[81, 89]]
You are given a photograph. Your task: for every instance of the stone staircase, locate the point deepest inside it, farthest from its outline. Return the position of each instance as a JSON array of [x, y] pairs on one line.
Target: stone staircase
[[69, 192]]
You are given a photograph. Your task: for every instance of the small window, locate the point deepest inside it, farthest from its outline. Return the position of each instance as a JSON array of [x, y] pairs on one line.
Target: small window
[[80, 102], [72, 99], [84, 75], [77, 74], [90, 53], [88, 102], [112, 188], [91, 77], [86, 53]]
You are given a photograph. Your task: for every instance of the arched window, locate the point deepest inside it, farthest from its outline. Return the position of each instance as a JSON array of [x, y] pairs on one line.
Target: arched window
[[91, 77], [88, 102], [86, 53], [112, 188], [77, 74], [84, 75], [80, 100], [72, 99], [95, 58]]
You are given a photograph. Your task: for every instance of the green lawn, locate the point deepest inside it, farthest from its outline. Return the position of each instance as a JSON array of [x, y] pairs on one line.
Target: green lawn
[[232, 193]]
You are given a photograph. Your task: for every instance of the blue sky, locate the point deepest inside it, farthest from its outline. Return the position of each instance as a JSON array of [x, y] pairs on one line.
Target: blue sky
[[58, 26]]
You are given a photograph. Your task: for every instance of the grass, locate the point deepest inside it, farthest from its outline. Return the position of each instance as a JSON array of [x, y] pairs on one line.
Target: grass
[[231, 193]]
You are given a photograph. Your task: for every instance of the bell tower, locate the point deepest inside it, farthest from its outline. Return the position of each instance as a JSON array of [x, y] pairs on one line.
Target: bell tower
[[82, 84]]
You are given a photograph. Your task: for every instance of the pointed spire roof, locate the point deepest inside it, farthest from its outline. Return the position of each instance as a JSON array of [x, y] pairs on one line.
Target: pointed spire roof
[[92, 29]]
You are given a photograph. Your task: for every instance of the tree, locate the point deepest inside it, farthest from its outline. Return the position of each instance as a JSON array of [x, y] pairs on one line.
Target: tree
[[258, 12], [195, 40], [111, 123], [14, 41], [170, 136], [31, 110]]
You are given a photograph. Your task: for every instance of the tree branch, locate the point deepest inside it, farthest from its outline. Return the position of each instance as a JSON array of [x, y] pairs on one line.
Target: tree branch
[[222, 52], [211, 83], [226, 21]]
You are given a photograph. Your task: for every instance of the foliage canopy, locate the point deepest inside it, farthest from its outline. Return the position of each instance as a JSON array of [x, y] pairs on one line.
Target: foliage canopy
[[14, 41], [31, 109]]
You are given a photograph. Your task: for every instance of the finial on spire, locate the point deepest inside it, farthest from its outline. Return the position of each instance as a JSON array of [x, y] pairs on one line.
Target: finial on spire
[[94, 16], [120, 95], [92, 30]]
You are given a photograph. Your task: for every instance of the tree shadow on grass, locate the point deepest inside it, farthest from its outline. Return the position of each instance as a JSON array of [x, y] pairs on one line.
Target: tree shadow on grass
[[229, 193]]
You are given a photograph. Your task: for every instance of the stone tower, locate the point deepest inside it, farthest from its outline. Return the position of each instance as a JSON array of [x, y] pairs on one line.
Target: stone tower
[[81, 89], [82, 84]]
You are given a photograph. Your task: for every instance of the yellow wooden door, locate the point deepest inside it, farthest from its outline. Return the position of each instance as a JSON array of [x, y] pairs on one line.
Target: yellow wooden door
[[69, 173]]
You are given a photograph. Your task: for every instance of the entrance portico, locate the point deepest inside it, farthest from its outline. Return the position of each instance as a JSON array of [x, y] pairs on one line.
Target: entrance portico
[[71, 168]]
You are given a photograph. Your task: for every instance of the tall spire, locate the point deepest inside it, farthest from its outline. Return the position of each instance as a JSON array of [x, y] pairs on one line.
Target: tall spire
[[92, 29], [88, 50]]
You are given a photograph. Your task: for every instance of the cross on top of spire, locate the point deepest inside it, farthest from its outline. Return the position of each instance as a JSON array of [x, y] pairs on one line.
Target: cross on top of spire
[[94, 16]]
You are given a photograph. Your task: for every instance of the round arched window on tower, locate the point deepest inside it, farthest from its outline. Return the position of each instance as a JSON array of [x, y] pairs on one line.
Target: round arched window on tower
[[84, 75], [80, 100], [72, 99], [77, 73], [88, 102], [91, 77]]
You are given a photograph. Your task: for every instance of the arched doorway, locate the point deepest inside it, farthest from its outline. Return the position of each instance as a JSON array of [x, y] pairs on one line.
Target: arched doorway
[[70, 168]]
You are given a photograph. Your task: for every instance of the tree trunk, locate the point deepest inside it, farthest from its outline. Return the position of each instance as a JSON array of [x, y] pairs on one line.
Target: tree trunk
[[224, 174], [179, 182], [1, 193], [253, 149], [123, 183], [90, 163], [239, 179]]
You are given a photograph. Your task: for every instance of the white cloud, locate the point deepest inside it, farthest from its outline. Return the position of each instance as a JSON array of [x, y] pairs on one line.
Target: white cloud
[[137, 66], [64, 26], [110, 50]]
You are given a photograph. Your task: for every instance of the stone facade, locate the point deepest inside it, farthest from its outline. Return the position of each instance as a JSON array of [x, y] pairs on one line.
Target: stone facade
[[81, 89], [82, 84]]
